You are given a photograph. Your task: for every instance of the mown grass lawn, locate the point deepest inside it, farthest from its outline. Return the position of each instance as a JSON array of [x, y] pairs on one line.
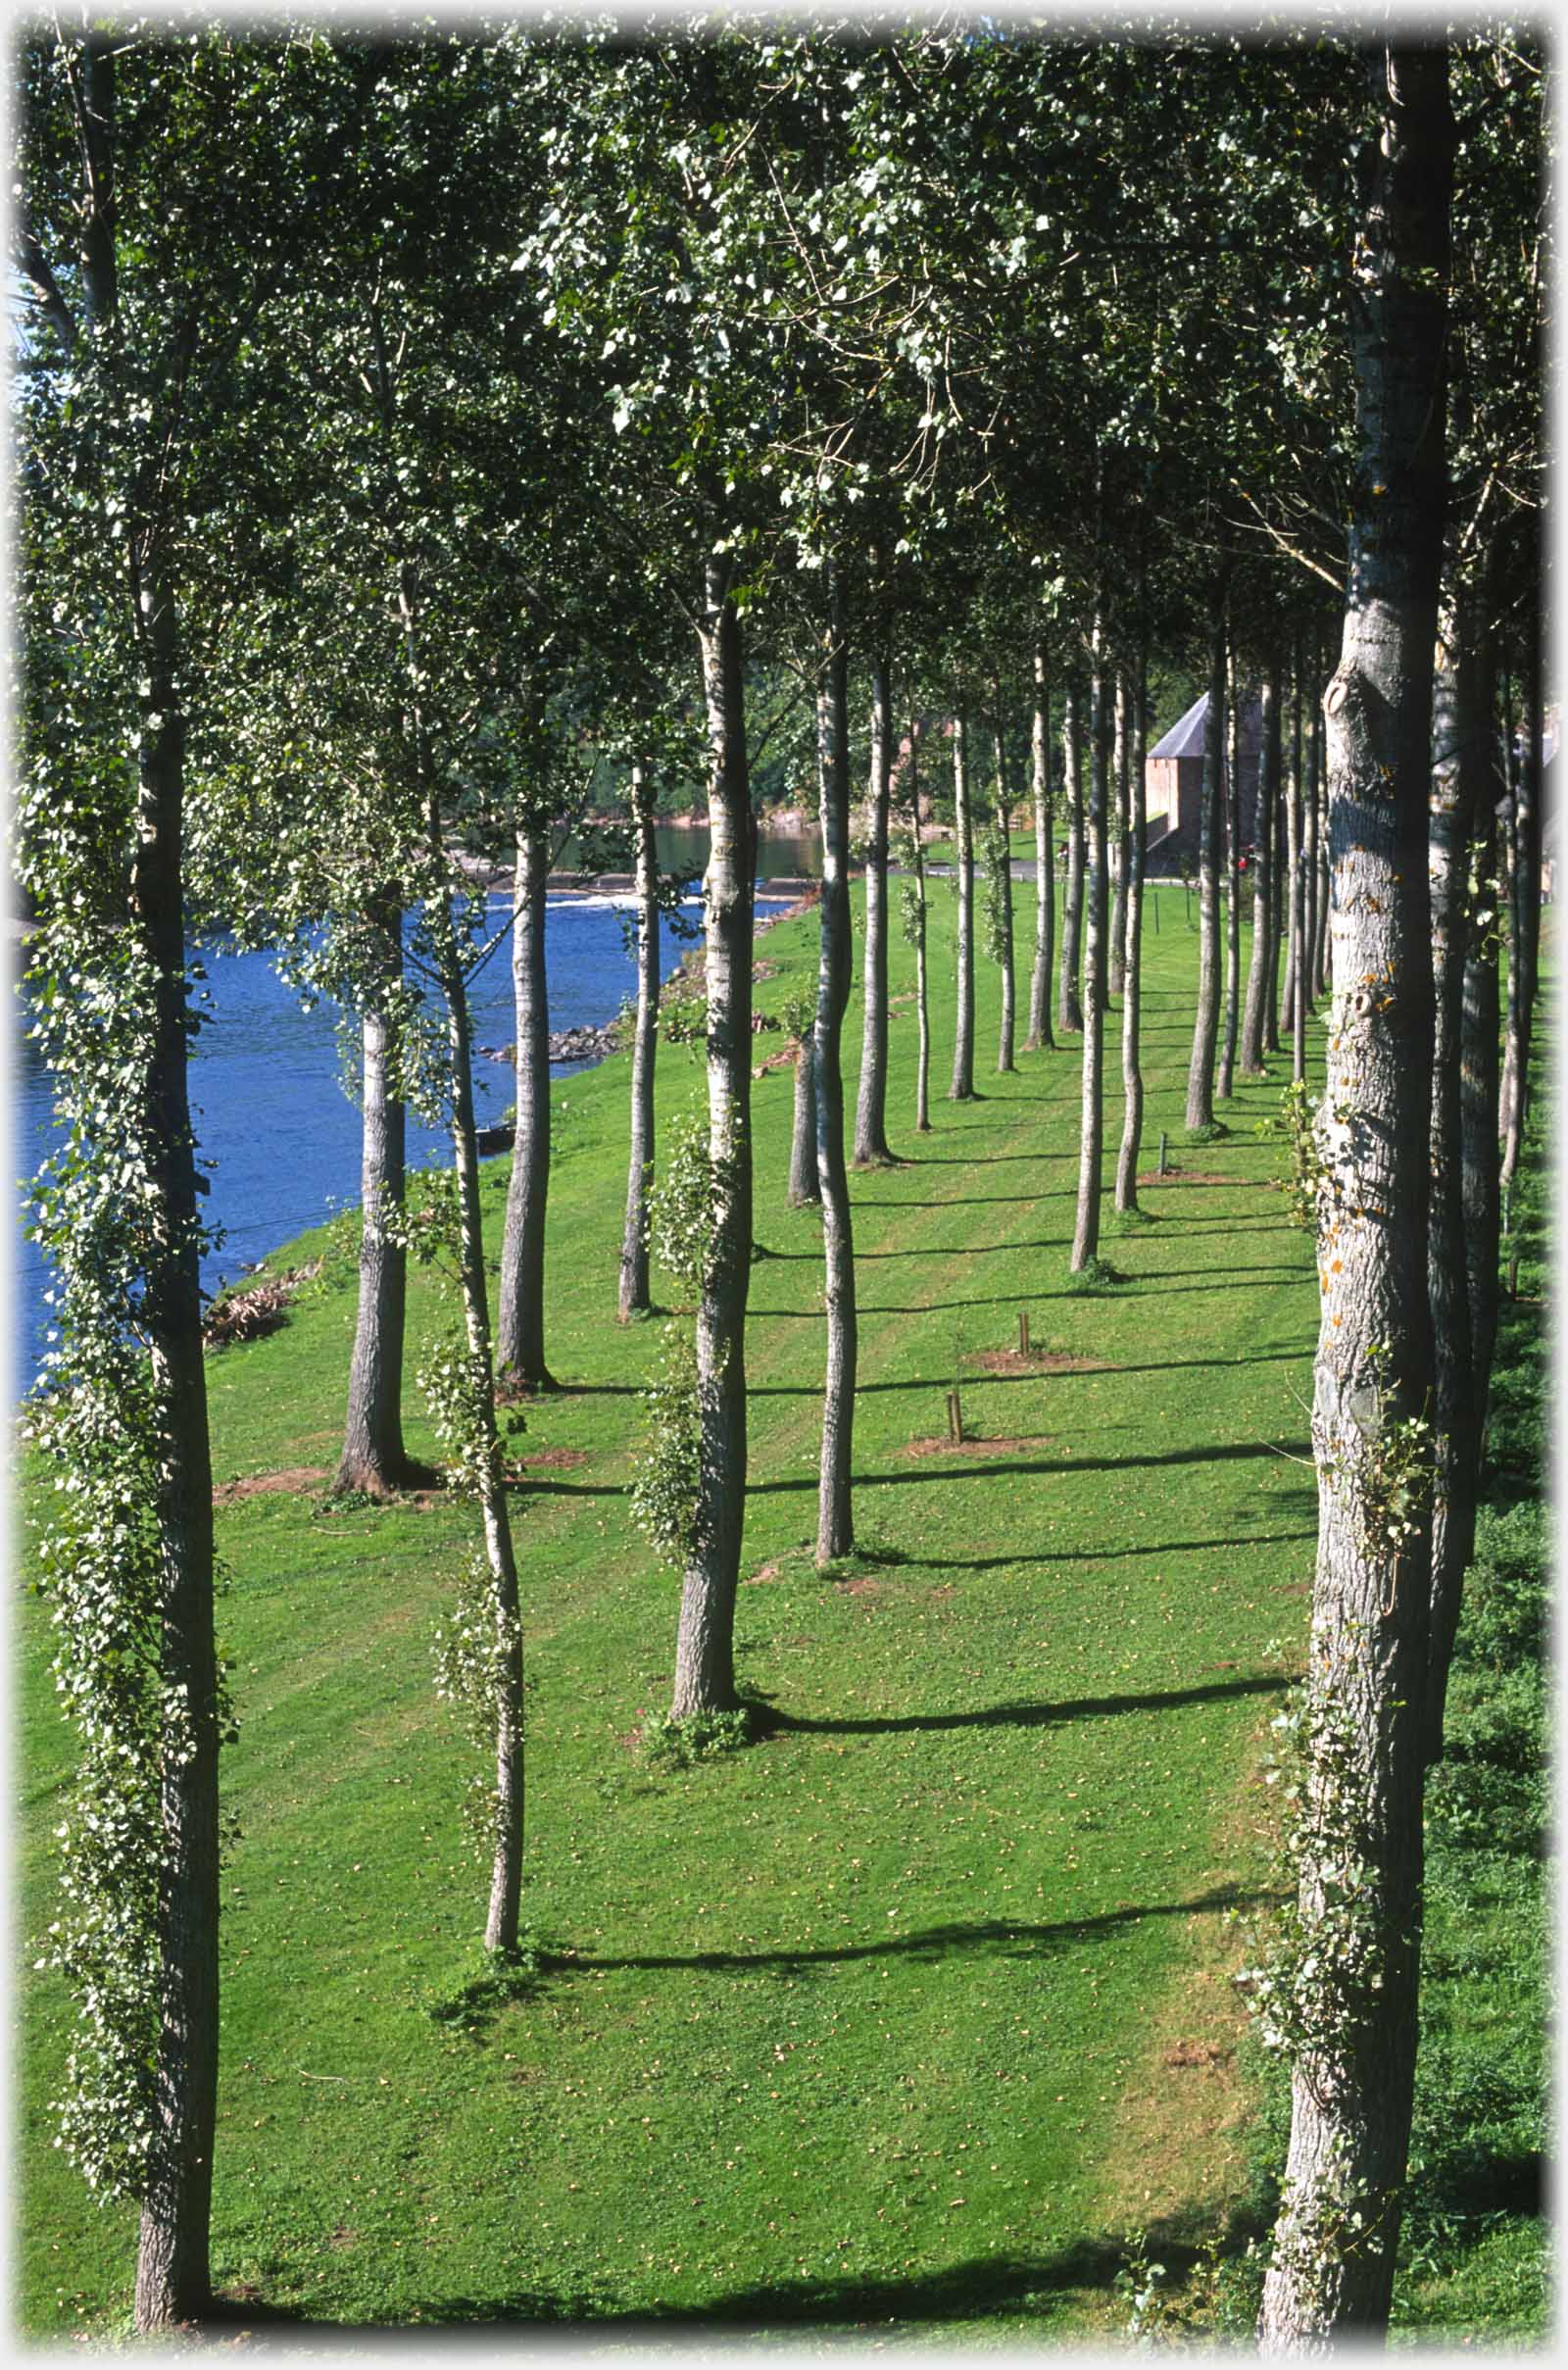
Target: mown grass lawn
[[898, 2021]]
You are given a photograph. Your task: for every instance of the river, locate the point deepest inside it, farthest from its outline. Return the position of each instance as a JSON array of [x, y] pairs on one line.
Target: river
[[268, 1099]]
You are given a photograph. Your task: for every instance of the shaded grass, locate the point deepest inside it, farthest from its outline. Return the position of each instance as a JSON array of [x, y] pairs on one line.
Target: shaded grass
[[831, 2031]]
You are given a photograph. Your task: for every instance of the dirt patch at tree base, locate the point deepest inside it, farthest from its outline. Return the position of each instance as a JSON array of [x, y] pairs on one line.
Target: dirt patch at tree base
[[1035, 1361], [294, 1477], [1191, 1176], [556, 1460]]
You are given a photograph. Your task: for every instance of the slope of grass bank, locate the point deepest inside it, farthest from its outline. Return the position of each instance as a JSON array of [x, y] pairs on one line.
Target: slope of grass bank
[[848, 2031]]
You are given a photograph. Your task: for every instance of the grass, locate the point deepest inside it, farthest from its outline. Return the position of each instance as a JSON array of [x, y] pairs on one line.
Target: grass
[[858, 2029]]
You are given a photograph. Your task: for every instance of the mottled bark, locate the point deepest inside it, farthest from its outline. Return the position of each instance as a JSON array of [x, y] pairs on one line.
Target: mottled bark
[[173, 2265], [922, 1000], [1085, 1233], [1480, 1024], [1117, 952], [1308, 720], [1205, 1028], [1300, 1000], [1040, 1035], [1353, 2076], [835, 1526], [1226, 1081], [1001, 846], [1132, 1076], [1524, 903], [870, 1110], [1325, 877], [520, 1320], [704, 1643], [1264, 953], [1069, 1006], [962, 1088], [373, 1458], [1454, 715], [636, 1299], [805, 1185]]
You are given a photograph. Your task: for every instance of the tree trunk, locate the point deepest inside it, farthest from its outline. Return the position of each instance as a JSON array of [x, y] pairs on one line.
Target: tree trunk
[[1116, 956], [1233, 886], [1086, 1235], [635, 1297], [1040, 1035], [1002, 850], [1308, 718], [1354, 2065], [1454, 1439], [922, 1002], [1069, 1007], [835, 1526], [521, 1329], [704, 1643], [373, 1458], [1132, 1076], [1205, 1030], [1297, 887], [805, 1184], [1524, 905], [1264, 950], [870, 1110], [172, 2264], [1480, 1022], [1324, 878], [962, 1088]]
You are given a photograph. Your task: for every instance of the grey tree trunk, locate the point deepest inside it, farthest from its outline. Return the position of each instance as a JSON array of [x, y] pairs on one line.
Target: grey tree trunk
[[1069, 1007], [705, 1642], [521, 1325], [1331, 2278], [1325, 880], [1117, 958], [922, 1002], [1264, 951], [1524, 905], [835, 1525], [173, 2262], [1480, 1024], [1233, 888], [1132, 1076], [1308, 716], [962, 1088], [1205, 1028], [1002, 849], [635, 1296], [1086, 1234], [1040, 1035], [373, 1459], [870, 1110], [1454, 1436], [805, 1185]]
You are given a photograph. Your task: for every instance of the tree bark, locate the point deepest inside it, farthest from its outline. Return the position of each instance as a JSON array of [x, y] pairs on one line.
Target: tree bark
[[805, 1184], [1205, 1028], [1116, 954], [835, 1525], [922, 1002], [1325, 879], [704, 1643], [1454, 1439], [872, 1146], [1233, 887], [1264, 949], [1298, 896], [1308, 718], [1524, 905], [373, 1459], [1086, 1235], [1069, 1007], [1132, 1076], [962, 1088], [635, 1296], [1002, 850], [172, 2263], [1040, 1037], [521, 1329], [1480, 1024], [1354, 2070]]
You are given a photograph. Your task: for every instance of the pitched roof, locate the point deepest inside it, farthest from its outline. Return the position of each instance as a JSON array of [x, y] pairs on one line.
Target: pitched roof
[[1186, 736]]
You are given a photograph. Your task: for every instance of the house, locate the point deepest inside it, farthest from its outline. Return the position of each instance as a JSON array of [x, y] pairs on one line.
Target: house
[[1173, 787]]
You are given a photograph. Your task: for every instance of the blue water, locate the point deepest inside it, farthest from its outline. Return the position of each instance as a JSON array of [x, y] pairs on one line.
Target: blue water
[[268, 1103]]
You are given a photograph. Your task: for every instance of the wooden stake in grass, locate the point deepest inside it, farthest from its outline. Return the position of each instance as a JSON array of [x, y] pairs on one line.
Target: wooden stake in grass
[[1162, 1151], [955, 1418], [1023, 1332]]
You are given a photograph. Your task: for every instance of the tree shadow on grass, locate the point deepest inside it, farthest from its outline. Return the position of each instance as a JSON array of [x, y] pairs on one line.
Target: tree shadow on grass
[[1223, 1452], [977, 2289], [1026, 1716], [1105, 1555]]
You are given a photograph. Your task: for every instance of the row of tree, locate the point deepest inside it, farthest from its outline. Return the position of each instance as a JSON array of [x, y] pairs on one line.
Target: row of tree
[[395, 418]]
